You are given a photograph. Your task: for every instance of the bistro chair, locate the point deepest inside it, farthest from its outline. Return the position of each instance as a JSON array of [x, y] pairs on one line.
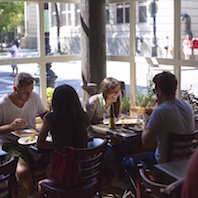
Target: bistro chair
[[151, 185], [38, 168], [147, 185], [91, 164], [8, 182], [181, 145], [173, 190]]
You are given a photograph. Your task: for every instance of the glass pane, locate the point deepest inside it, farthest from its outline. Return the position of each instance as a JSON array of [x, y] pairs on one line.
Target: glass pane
[[19, 23], [154, 28], [120, 13], [189, 83], [120, 71], [57, 74], [7, 79], [64, 28], [72, 78], [117, 30], [144, 85], [189, 30]]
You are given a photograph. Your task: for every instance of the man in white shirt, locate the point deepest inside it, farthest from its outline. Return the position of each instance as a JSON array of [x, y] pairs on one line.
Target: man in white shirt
[[17, 110]]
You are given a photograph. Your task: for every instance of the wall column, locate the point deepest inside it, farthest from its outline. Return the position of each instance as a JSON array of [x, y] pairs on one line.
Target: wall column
[[93, 44]]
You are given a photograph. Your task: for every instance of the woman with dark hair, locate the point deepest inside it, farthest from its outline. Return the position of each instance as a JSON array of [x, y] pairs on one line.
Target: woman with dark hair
[[67, 122], [99, 104]]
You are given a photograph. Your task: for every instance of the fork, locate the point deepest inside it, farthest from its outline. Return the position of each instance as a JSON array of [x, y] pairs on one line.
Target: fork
[[32, 127]]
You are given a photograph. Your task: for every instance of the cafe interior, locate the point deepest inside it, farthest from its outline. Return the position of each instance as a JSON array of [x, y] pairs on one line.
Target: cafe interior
[[131, 41]]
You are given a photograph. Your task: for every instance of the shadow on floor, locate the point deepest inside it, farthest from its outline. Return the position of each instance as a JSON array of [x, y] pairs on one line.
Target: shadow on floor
[[108, 190]]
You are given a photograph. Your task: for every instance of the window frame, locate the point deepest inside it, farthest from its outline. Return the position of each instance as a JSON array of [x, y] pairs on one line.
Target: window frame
[[176, 61]]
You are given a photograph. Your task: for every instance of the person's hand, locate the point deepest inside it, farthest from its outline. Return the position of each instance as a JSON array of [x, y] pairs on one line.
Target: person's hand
[[147, 116], [18, 123]]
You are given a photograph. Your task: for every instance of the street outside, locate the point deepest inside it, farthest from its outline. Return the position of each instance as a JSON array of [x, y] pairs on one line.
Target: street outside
[[70, 73]]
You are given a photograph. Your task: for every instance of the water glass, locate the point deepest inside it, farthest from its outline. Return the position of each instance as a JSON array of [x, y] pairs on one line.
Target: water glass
[[106, 118]]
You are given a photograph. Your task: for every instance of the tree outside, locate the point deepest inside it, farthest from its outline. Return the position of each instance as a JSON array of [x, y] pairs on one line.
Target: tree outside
[[11, 17]]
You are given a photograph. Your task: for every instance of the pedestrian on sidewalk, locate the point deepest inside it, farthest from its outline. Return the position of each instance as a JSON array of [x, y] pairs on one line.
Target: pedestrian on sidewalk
[[14, 53]]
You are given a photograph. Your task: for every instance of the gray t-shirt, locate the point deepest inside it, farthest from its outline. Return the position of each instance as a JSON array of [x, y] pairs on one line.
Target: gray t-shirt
[[172, 116]]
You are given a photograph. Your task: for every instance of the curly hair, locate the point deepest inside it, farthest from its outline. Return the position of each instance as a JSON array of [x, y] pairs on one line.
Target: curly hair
[[23, 77]]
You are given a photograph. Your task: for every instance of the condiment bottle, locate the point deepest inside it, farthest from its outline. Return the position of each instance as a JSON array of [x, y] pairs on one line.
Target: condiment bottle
[[112, 118]]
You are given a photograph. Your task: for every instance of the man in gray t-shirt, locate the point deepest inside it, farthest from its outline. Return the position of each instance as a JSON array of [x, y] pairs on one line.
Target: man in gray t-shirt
[[171, 115]]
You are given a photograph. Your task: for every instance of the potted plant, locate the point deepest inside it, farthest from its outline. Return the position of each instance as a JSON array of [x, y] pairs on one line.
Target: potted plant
[[49, 92], [142, 100]]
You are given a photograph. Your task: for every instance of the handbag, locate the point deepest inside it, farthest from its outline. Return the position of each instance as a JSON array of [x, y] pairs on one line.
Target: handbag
[[65, 169]]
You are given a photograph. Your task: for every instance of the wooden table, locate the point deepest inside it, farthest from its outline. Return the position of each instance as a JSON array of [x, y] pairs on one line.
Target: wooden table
[[117, 132], [174, 169], [132, 137]]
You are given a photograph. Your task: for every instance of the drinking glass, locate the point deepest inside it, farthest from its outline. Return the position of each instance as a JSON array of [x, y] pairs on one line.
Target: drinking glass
[[106, 118]]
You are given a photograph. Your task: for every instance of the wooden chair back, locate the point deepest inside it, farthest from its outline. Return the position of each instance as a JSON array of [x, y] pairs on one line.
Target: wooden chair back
[[8, 182], [38, 168], [91, 163], [181, 145]]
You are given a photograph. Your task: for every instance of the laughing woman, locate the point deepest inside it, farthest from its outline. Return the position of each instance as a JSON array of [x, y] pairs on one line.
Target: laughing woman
[[100, 104]]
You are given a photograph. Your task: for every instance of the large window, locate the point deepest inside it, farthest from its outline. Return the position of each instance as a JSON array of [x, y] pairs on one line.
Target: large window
[[142, 14], [147, 40], [122, 12]]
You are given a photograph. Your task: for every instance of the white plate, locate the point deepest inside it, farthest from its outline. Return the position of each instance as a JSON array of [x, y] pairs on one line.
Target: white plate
[[132, 121], [23, 140], [106, 122], [24, 132]]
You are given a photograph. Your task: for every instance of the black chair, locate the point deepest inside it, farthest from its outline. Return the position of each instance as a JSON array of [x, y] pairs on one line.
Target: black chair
[[181, 145], [91, 163], [38, 168], [173, 190], [151, 184], [148, 184], [8, 182]]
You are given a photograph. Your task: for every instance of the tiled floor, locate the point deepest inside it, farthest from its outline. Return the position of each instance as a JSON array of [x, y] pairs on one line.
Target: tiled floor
[[108, 190]]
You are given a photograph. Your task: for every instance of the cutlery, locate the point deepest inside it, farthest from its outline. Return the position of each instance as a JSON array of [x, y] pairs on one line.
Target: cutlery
[[29, 126]]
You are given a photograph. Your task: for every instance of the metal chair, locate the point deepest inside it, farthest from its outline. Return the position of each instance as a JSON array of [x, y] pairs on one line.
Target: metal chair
[[146, 183], [181, 145], [173, 190], [8, 182], [91, 162], [151, 185]]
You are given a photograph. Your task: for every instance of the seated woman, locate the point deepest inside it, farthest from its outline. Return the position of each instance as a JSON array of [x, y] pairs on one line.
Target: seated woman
[[99, 104], [96, 106], [67, 122]]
